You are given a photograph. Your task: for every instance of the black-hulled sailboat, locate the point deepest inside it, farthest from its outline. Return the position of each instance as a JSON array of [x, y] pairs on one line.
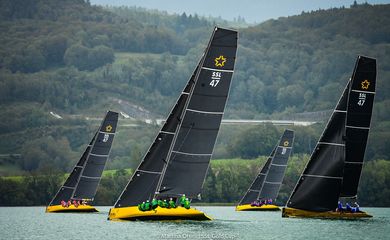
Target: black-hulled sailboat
[[265, 188], [334, 169], [177, 161], [80, 187]]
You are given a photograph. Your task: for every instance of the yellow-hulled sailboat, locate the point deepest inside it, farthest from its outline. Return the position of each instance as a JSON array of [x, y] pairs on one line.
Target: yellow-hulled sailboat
[[333, 171], [80, 187], [177, 161], [265, 187]]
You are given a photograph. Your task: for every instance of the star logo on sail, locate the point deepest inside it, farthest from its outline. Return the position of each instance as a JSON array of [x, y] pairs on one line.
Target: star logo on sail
[[108, 128], [365, 84], [220, 61], [286, 143]]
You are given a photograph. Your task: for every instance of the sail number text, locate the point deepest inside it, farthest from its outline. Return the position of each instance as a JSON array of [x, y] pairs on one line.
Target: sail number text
[[215, 78]]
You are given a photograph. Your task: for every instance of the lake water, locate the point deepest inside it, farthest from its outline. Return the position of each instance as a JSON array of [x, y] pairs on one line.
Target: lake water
[[34, 223]]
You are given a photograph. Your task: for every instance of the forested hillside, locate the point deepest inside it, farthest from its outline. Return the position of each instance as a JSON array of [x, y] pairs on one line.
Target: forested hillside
[[79, 60]]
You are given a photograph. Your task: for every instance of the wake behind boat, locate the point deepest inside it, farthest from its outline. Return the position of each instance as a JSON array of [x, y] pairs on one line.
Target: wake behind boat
[[80, 187], [265, 188], [173, 170], [333, 172]]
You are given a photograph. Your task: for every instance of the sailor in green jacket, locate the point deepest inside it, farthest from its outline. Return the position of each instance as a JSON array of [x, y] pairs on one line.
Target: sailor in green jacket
[[142, 206], [160, 203], [154, 203], [182, 200], [166, 204], [187, 203], [147, 205], [171, 203]]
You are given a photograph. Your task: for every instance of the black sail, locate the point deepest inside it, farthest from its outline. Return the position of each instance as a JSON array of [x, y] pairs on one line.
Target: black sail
[[319, 186], [143, 183], [96, 159], [192, 147], [277, 168], [359, 111], [252, 193], [65, 192]]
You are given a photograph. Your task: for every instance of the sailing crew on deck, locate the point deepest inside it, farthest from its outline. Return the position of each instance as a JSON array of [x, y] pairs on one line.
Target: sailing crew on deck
[[182, 200], [348, 207], [171, 203], [357, 207], [339, 207], [154, 204]]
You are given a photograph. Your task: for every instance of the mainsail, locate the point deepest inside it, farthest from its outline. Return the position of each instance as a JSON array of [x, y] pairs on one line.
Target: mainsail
[[359, 111], [275, 175], [335, 165], [85, 176], [267, 183], [177, 161]]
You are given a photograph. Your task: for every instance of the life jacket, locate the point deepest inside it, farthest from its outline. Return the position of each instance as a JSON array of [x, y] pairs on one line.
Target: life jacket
[[187, 204], [154, 203]]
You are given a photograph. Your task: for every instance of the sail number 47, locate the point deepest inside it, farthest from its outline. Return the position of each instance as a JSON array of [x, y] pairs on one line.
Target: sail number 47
[[215, 78]]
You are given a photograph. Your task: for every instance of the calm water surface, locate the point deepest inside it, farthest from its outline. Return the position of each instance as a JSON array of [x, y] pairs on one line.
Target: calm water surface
[[34, 223]]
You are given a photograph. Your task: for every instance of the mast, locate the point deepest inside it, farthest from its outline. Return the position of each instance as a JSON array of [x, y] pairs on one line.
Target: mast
[[254, 190], [273, 181], [193, 144], [96, 160], [143, 183], [318, 187], [359, 112]]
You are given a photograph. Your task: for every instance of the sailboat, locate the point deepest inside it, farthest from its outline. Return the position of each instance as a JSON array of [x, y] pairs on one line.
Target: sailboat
[[178, 159], [265, 187], [333, 171], [79, 189]]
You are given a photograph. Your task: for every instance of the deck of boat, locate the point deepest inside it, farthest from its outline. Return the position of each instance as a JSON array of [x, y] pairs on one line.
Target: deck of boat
[[266, 207], [179, 213], [71, 208], [293, 212]]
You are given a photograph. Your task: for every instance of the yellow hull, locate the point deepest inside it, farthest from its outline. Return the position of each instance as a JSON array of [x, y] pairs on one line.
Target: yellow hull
[[248, 207], [71, 208], [179, 213], [293, 212]]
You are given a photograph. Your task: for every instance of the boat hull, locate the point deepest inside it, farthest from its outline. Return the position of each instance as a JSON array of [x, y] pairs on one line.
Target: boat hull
[[72, 208], [179, 213], [248, 207], [293, 212]]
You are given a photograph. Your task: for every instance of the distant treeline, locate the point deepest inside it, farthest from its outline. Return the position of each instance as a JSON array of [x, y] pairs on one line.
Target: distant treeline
[[226, 182]]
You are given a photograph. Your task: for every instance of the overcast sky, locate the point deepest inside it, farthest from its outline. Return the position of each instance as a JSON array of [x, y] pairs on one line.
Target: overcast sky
[[252, 10]]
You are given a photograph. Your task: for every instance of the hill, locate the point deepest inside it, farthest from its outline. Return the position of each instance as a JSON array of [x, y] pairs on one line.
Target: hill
[[78, 60]]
